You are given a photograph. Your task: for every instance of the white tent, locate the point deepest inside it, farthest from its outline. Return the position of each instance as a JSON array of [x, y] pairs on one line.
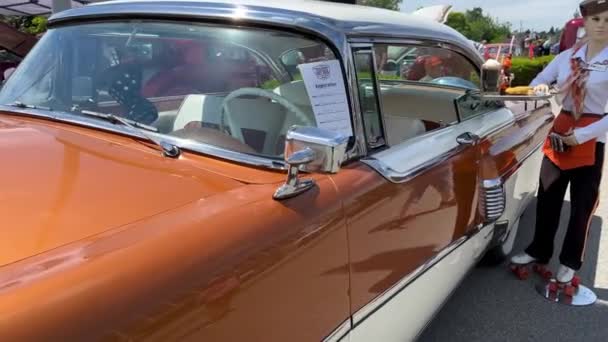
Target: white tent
[[38, 7]]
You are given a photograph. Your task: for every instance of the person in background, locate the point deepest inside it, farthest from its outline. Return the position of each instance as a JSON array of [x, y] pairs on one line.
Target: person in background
[[433, 68], [581, 74]]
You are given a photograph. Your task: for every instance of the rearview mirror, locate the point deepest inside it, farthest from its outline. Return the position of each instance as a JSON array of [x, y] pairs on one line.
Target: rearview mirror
[[82, 89]]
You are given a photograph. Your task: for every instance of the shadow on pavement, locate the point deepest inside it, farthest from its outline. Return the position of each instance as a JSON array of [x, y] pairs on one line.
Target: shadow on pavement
[[493, 305]]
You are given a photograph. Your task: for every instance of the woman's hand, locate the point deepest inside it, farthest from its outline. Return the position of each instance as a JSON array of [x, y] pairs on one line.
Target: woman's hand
[[569, 138], [541, 89]]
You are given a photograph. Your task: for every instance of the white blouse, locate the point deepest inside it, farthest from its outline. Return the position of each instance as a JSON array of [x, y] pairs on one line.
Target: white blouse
[[596, 99]]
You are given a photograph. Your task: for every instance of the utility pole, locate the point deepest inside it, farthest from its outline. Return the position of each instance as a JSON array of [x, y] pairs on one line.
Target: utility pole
[[521, 26]]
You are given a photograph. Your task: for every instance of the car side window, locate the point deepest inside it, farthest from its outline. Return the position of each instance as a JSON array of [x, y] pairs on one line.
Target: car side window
[[422, 87]]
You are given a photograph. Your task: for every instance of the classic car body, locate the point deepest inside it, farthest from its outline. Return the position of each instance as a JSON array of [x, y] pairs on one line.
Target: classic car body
[[219, 237]]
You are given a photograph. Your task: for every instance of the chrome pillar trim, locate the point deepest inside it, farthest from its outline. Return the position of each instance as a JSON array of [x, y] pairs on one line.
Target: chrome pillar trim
[[184, 144], [340, 332], [379, 301], [378, 95], [360, 147], [493, 199]]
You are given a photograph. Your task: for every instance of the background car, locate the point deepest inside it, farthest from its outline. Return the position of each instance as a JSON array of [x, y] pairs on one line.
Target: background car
[[492, 50]]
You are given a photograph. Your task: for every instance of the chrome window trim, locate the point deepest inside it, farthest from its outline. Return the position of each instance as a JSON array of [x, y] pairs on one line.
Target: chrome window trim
[[185, 144], [380, 300], [475, 58], [411, 164]]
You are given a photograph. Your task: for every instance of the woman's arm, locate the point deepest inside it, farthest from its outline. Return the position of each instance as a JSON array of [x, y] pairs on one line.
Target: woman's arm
[[593, 131], [550, 72]]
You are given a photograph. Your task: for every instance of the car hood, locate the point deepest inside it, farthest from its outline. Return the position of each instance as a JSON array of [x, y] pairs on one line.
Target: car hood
[[61, 183]]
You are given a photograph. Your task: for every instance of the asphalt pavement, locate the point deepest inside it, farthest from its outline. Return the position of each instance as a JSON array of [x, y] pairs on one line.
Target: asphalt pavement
[[491, 304]]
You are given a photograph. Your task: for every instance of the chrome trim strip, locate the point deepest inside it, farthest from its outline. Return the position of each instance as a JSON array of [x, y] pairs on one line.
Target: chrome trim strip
[[340, 332], [185, 144], [413, 157], [402, 177], [379, 301], [492, 183]]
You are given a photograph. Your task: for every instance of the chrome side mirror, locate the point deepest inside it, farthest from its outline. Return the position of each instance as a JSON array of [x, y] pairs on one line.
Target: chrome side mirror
[[310, 149]]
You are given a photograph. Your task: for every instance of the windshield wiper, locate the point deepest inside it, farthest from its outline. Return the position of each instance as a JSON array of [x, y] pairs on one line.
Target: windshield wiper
[[115, 118], [169, 150], [20, 104]]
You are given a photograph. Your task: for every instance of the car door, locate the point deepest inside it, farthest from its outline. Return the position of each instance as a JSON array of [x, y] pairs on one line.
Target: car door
[[413, 205]]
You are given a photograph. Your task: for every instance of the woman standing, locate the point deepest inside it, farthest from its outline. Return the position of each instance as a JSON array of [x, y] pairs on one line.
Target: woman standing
[[574, 151]]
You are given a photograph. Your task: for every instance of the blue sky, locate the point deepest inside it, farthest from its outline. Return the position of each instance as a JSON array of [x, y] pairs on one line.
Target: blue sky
[[534, 14]]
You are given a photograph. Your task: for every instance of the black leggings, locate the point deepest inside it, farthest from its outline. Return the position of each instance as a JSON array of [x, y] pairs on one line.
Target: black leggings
[[584, 196]]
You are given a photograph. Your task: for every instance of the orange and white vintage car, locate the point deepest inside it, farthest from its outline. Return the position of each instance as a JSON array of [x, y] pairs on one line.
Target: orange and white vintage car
[[251, 171]]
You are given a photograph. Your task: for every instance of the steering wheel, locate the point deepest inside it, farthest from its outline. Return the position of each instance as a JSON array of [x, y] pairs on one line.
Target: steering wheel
[[235, 131]]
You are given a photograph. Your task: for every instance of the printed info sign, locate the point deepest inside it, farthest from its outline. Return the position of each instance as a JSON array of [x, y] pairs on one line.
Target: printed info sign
[[325, 87]]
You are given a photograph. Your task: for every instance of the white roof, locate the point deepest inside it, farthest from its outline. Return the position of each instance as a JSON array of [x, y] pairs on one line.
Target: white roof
[[329, 10], [333, 20]]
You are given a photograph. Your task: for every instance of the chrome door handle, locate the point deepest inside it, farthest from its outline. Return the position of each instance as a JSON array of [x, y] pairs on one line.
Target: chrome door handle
[[467, 138]]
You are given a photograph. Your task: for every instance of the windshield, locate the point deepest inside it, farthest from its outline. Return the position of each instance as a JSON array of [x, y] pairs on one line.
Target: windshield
[[235, 88]]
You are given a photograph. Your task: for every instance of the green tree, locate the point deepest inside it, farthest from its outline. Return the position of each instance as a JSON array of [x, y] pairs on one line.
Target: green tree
[[388, 4], [28, 24], [458, 21], [477, 26], [38, 25]]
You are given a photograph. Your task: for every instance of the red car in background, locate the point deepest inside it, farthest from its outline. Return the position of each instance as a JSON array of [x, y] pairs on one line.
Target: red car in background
[[14, 45], [573, 31], [491, 50]]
